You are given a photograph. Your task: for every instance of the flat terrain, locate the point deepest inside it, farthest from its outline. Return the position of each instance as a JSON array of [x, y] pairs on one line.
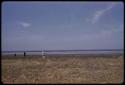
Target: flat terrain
[[85, 69]]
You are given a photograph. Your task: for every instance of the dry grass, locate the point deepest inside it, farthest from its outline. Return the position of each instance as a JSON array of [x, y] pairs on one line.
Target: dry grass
[[68, 69]]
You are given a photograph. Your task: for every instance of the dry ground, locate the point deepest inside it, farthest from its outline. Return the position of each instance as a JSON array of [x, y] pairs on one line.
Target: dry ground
[[67, 69]]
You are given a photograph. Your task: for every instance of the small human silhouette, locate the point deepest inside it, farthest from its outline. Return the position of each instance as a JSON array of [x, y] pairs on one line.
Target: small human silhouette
[[24, 53]]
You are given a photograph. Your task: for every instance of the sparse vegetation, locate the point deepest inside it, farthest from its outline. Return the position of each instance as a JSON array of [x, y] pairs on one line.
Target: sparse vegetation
[[63, 69]]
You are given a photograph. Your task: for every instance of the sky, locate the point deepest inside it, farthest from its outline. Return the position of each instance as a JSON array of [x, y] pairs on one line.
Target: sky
[[62, 25]]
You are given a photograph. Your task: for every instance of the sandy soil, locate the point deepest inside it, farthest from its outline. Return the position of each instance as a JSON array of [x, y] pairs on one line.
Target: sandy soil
[[79, 69]]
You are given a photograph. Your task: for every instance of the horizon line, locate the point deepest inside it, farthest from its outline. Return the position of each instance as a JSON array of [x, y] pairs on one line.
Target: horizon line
[[64, 50]]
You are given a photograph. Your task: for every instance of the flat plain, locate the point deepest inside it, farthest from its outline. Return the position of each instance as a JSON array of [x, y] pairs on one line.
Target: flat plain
[[63, 69]]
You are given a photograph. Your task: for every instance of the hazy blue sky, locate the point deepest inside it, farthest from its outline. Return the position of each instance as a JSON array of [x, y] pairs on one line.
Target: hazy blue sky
[[62, 25]]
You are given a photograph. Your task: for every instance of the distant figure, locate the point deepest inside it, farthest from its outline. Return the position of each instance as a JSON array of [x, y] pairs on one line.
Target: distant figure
[[43, 55], [24, 53], [15, 54]]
